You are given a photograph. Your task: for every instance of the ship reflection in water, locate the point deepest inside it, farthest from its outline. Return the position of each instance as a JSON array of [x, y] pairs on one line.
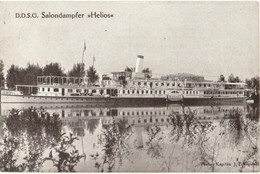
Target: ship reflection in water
[[171, 138]]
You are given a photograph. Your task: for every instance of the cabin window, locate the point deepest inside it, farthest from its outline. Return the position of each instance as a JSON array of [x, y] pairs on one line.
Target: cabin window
[[146, 92], [78, 90], [205, 85], [145, 83], [139, 83], [156, 84], [144, 120], [69, 90], [168, 84], [159, 92], [133, 91], [56, 89], [155, 92], [42, 89], [142, 92], [94, 91], [162, 84], [162, 120], [137, 91], [123, 91]]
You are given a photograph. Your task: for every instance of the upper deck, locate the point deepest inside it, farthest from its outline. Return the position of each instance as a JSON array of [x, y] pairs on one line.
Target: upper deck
[[59, 80]]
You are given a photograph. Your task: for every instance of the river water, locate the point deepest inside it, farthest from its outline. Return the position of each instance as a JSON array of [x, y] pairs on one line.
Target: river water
[[130, 138]]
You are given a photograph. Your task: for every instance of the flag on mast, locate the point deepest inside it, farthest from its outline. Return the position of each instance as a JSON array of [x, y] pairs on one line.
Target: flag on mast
[[94, 59], [84, 46], [82, 62], [84, 49]]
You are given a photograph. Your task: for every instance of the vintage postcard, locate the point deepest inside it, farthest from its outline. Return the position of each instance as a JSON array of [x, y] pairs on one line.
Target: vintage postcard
[[129, 86]]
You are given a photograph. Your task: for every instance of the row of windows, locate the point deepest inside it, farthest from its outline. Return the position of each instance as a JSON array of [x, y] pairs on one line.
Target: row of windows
[[218, 110], [151, 120], [191, 92], [171, 84], [48, 89], [69, 90], [185, 92], [162, 120], [115, 113], [210, 92], [154, 84], [167, 119], [145, 113], [224, 92], [142, 92]]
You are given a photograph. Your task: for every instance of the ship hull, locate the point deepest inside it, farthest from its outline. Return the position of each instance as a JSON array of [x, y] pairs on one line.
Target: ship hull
[[52, 99], [82, 99], [215, 100], [111, 100]]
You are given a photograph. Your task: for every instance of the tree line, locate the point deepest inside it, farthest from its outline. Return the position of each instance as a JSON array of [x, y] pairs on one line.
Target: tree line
[[252, 83], [28, 75], [146, 71]]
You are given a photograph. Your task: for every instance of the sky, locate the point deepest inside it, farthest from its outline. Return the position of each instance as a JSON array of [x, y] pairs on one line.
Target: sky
[[202, 38]]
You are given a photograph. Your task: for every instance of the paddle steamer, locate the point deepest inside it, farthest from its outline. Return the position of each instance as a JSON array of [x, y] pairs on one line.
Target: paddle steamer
[[125, 87]]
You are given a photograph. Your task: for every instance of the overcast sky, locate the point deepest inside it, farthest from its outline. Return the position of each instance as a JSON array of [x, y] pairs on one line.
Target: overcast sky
[[203, 38]]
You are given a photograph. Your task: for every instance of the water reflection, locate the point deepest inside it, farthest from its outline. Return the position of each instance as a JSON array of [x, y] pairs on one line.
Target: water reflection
[[154, 142], [64, 154], [113, 140], [117, 138], [27, 134]]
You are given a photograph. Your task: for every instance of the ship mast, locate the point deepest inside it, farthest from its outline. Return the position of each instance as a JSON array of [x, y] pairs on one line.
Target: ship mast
[[94, 59], [82, 63]]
